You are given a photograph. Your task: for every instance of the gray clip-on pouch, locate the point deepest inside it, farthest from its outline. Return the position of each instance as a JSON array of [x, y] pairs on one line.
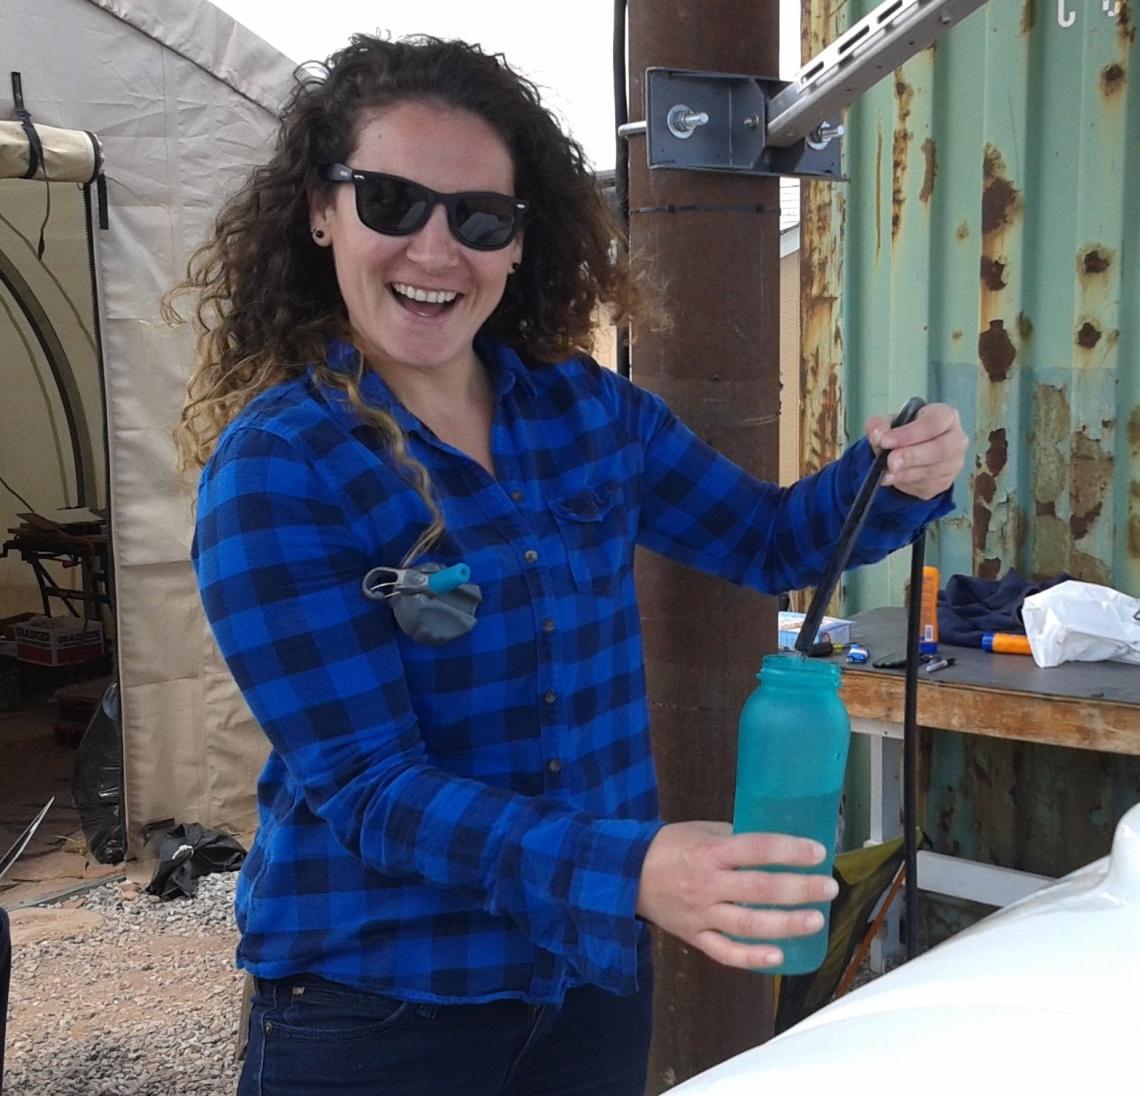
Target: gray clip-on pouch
[[433, 604]]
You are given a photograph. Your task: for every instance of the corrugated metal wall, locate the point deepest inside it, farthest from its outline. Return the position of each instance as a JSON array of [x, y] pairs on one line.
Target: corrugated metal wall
[[978, 255], [985, 252]]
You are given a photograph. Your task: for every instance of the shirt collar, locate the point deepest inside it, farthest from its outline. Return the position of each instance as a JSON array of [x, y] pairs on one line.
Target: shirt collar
[[504, 364]]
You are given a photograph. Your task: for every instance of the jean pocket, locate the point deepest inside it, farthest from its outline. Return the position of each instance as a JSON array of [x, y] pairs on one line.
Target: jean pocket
[[327, 1013], [592, 524]]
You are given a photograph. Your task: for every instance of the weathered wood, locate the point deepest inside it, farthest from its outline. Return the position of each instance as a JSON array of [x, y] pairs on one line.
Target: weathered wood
[[1088, 724]]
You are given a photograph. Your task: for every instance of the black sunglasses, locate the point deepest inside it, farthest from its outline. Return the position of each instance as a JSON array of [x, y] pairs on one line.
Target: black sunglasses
[[398, 207]]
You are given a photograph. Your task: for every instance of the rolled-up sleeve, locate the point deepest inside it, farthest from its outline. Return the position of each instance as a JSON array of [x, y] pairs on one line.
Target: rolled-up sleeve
[[701, 509]]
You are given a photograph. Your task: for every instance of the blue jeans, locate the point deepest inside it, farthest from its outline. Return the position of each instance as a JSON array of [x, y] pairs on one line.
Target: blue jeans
[[312, 1037]]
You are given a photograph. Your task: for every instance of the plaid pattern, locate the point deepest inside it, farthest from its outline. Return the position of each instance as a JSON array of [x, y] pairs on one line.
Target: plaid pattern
[[467, 822]]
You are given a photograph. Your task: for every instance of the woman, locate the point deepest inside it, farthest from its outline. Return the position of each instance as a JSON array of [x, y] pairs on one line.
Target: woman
[[459, 842]]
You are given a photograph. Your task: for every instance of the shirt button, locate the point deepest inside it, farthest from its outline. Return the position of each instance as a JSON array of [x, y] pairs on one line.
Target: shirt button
[[548, 625], [554, 765], [550, 697], [530, 555], [517, 496]]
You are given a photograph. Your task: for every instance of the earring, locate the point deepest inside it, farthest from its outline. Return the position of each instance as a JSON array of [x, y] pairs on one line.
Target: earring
[[514, 267], [318, 233]]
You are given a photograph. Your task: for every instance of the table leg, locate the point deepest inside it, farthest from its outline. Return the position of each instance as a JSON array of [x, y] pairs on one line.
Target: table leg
[[885, 741]]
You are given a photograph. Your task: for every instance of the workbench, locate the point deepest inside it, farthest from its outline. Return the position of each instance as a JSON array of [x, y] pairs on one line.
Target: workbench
[[1086, 705], [88, 548]]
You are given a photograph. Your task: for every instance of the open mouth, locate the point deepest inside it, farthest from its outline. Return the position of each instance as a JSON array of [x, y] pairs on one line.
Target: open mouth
[[424, 302]]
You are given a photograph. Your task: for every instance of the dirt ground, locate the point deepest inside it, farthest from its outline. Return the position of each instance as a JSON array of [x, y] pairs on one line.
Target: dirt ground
[[37, 765], [91, 996]]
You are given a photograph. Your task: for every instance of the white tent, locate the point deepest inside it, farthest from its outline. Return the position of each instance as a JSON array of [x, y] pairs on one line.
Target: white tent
[[183, 101]]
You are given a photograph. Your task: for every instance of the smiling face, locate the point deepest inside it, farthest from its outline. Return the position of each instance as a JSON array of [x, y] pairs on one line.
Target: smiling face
[[416, 302]]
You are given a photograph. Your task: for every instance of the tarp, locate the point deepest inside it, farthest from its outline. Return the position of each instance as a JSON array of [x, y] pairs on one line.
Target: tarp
[[183, 100]]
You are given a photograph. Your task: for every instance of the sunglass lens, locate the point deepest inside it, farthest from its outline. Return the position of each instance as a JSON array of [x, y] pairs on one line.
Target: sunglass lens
[[390, 205], [484, 221]]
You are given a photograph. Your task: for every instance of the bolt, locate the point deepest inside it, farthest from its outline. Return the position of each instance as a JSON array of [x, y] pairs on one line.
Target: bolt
[[681, 121]]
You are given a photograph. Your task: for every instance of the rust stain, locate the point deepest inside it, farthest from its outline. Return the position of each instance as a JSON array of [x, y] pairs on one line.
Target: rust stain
[[1001, 200], [1134, 431], [963, 232], [989, 568], [1088, 568], [1134, 536], [1124, 26], [985, 488], [930, 156], [1112, 80], [1024, 326], [1028, 16], [993, 274], [1092, 477], [1049, 443], [900, 149], [996, 351], [998, 452], [956, 335], [1094, 261], [1088, 336], [821, 274]]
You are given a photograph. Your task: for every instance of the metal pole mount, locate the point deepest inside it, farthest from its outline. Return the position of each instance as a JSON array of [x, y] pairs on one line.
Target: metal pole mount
[[755, 125]]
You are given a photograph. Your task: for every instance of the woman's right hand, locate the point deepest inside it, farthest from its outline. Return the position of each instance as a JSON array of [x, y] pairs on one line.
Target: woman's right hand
[[691, 887]]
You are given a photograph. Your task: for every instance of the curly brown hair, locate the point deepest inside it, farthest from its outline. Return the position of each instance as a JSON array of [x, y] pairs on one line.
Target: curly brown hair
[[268, 299]]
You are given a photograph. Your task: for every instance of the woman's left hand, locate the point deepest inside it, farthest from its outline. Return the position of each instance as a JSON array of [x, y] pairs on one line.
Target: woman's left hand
[[926, 454]]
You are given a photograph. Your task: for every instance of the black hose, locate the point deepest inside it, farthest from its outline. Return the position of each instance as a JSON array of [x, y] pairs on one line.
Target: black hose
[[856, 516], [910, 746]]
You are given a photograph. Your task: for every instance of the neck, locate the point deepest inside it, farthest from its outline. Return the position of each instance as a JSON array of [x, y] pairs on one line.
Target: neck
[[448, 387]]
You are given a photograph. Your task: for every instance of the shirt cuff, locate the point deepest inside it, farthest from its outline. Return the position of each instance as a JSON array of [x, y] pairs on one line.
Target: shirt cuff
[[604, 902]]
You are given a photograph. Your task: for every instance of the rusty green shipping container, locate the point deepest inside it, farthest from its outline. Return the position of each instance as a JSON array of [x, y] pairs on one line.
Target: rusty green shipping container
[[986, 252]]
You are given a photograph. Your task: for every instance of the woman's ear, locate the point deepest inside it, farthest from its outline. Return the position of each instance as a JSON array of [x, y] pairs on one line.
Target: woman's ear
[[319, 216]]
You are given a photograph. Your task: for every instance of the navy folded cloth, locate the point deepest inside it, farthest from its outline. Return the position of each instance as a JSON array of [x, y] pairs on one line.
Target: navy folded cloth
[[970, 607]]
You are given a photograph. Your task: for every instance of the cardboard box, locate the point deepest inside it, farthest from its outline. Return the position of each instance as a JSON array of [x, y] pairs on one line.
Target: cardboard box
[[788, 630], [58, 641]]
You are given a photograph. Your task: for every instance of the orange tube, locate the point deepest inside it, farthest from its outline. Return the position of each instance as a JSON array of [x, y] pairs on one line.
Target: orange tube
[[1006, 643], [928, 612]]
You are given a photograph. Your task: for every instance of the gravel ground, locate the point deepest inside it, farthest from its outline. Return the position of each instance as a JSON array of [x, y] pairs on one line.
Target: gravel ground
[[139, 998]]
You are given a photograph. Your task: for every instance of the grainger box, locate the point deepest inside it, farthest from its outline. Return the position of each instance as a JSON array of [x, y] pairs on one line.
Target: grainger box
[[58, 641]]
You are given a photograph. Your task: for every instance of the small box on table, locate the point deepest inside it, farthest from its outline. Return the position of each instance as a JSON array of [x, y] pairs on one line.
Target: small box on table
[[835, 629]]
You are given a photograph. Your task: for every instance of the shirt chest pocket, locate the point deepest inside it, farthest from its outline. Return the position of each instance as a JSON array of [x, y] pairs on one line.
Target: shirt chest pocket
[[592, 524]]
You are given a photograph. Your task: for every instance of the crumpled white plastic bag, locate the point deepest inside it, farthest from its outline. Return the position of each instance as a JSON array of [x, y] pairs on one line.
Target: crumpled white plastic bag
[[1082, 622]]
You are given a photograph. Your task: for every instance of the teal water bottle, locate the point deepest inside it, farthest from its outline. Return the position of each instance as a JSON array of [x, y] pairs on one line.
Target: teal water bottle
[[794, 734]]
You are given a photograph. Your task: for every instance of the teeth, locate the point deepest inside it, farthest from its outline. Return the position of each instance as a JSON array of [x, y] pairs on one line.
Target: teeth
[[429, 296]]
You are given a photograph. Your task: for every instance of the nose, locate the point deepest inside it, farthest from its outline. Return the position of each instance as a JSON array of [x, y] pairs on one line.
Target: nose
[[433, 247]]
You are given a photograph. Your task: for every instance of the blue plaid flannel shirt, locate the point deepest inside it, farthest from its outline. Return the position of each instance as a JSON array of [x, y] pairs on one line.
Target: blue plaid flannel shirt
[[468, 822]]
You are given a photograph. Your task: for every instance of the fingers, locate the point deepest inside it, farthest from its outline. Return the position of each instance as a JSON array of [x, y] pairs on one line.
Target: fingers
[[926, 454], [743, 937], [765, 887], [692, 885], [737, 953], [751, 850]]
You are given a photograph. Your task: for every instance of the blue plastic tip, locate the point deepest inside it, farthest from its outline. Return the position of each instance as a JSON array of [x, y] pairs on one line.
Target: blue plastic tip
[[443, 582]]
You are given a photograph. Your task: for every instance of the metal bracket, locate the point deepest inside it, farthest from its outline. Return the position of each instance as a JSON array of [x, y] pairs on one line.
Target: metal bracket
[[708, 121], [713, 121]]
